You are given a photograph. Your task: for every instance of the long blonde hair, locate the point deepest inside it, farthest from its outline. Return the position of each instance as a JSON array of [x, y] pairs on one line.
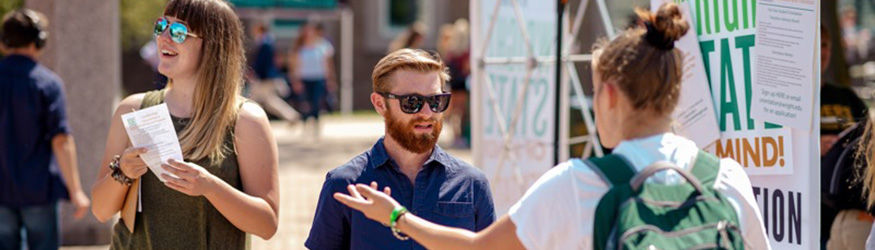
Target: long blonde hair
[[219, 78], [866, 153]]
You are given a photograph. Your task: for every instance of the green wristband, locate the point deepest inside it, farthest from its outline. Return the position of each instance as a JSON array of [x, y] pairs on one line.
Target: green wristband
[[397, 212], [393, 222]]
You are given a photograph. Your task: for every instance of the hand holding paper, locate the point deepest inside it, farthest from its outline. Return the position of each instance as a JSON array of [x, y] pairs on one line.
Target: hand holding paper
[[131, 164], [189, 178], [152, 128]]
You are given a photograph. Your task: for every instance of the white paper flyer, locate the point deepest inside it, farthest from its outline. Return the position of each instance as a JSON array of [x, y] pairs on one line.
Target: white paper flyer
[[784, 75], [152, 129]]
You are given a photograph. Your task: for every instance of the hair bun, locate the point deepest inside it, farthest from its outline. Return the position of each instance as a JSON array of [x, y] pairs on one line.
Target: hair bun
[[665, 26]]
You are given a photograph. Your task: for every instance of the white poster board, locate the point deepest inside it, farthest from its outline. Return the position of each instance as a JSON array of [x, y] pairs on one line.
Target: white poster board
[[783, 89], [783, 163], [533, 138]]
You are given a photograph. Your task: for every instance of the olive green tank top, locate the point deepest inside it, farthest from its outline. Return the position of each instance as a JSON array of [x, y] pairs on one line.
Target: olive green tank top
[[173, 220]]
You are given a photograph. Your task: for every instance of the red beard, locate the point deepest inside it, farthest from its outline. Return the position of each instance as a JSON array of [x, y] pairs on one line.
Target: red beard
[[407, 138]]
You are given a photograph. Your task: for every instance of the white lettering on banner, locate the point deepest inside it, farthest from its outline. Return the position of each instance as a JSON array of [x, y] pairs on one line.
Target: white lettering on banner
[[532, 143], [532, 137], [533, 121]]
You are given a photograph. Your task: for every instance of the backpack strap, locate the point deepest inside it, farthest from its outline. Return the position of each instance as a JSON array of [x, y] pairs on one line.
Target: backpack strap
[[616, 171], [658, 166], [705, 167]]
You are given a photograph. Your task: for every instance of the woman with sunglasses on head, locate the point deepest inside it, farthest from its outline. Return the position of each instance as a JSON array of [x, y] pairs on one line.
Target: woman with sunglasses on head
[[227, 184], [636, 87]]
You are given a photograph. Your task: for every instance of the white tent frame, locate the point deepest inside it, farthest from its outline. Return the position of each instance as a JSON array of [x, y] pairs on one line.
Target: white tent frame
[[480, 60], [568, 60]]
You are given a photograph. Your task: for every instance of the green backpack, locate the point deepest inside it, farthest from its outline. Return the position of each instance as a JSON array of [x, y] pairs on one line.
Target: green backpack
[[635, 214]]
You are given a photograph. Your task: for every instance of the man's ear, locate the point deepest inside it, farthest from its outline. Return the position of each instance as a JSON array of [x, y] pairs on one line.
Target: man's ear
[[379, 103]]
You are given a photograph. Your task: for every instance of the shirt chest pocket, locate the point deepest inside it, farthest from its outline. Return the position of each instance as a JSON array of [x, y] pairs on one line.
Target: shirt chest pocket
[[454, 214], [455, 209]]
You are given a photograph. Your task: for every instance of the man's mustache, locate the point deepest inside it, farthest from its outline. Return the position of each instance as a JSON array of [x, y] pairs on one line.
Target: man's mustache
[[429, 120]]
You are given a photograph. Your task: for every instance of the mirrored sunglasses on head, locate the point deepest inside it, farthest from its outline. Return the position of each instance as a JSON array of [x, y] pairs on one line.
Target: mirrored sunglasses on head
[[178, 31], [412, 104]]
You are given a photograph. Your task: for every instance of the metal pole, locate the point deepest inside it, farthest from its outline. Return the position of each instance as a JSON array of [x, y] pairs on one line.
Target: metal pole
[[584, 111], [346, 57], [477, 69], [606, 19], [560, 8]]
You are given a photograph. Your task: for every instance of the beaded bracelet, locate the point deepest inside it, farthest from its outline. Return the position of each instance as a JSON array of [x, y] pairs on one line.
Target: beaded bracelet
[[117, 174], [393, 220]]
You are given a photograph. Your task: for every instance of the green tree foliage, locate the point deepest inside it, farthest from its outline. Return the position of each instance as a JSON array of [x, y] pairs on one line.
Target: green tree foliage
[[8, 5], [137, 18], [5, 7]]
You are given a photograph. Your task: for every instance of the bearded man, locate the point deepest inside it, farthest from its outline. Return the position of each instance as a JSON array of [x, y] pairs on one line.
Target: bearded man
[[409, 94]]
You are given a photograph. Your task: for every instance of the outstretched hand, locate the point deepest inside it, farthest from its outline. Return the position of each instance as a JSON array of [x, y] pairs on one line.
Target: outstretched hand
[[374, 204]]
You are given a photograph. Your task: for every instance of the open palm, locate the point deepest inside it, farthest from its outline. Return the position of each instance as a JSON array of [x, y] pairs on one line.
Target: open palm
[[374, 204]]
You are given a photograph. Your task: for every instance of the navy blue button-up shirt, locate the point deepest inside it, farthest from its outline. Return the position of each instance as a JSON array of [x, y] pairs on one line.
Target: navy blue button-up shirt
[[32, 112], [264, 65], [447, 191]]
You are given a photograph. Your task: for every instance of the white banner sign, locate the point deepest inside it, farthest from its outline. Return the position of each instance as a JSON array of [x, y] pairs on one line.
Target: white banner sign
[[783, 163], [533, 136], [783, 89]]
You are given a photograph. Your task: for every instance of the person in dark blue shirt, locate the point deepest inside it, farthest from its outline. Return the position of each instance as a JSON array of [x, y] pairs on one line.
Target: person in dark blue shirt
[[264, 65], [36, 148], [408, 93], [265, 79]]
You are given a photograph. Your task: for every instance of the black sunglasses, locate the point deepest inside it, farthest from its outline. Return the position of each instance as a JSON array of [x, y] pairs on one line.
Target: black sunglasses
[[412, 104]]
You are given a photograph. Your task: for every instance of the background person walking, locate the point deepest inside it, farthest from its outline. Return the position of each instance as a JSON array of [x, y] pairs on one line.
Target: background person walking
[[35, 139], [311, 69], [266, 80]]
